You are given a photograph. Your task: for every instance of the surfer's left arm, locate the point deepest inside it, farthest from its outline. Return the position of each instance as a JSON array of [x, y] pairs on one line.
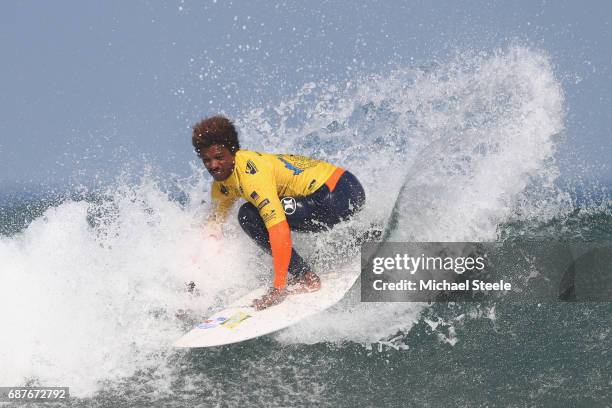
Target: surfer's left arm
[[259, 189], [280, 244]]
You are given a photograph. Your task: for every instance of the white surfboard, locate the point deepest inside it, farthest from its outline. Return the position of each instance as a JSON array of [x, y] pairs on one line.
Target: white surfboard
[[239, 321]]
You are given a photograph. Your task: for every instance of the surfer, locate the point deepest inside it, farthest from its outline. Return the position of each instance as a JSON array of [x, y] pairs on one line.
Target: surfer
[[284, 192]]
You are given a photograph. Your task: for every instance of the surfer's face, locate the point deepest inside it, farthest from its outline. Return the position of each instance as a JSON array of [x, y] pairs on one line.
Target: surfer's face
[[218, 160]]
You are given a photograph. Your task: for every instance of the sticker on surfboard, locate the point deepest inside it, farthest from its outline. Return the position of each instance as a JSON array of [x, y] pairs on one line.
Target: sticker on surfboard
[[211, 323], [235, 320]]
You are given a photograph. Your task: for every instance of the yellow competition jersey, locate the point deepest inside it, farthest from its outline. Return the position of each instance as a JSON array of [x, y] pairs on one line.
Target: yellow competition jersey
[[262, 178]]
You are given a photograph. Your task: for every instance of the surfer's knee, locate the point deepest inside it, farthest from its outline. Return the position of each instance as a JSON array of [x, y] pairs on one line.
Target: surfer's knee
[[357, 199], [358, 196], [350, 195]]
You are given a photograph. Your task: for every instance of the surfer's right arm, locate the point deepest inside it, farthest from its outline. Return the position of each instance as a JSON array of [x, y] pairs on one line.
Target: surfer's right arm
[[221, 205], [259, 188]]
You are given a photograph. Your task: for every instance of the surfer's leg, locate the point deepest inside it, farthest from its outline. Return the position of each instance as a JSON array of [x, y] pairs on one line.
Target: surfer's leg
[[324, 208], [310, 212], [316, 212], [253, 225]]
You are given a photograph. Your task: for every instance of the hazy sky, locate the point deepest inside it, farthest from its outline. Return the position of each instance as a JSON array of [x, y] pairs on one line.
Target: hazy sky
[[87, 86]]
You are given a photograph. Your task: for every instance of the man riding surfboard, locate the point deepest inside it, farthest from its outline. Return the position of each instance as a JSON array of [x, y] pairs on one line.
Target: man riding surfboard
[[284, 192]]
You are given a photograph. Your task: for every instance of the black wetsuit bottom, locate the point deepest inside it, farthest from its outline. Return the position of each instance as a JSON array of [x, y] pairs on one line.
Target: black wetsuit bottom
[[313, 213]]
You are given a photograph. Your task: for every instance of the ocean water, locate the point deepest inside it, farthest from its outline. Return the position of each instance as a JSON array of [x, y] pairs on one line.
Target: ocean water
[[93, 292]]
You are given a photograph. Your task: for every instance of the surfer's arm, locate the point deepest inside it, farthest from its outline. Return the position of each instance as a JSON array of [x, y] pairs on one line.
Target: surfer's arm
[[259, 188], [273, 215], [280, 244], [221, 206]]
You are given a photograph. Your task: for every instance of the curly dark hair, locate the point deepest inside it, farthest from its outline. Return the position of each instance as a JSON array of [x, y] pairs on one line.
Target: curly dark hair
[[215, 130]]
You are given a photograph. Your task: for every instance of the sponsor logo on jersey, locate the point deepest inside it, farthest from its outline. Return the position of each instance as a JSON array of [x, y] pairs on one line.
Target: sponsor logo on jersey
[[250, 167], [254, 195], [289, 205], [312, 184], [263, 204], [290, 166], [224, 189], [267, 217]]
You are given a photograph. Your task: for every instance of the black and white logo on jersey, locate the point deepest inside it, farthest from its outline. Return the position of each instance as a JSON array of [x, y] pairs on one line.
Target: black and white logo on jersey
[[289, 205], [250, 167]]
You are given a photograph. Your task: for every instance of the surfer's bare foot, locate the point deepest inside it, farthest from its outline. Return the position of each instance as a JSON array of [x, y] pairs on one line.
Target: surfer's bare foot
[[273, 297], [305, 283]]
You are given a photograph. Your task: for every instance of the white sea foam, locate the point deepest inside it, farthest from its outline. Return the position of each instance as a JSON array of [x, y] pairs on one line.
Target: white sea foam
[[81, 304], [89, 292], [478, 139]]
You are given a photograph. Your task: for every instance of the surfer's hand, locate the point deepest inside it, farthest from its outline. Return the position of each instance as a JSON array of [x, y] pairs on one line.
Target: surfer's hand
[[273, 297]]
